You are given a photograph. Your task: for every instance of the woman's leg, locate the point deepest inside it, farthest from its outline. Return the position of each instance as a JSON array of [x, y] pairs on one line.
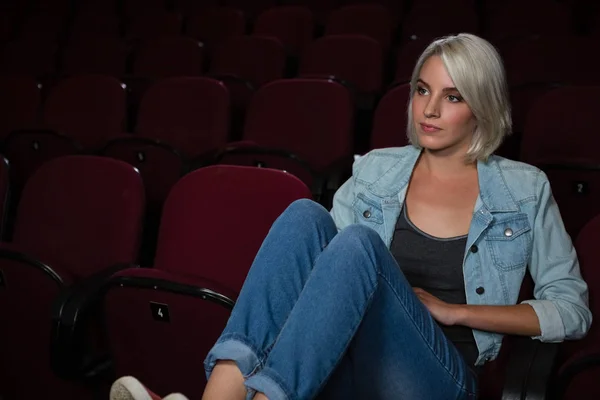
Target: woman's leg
[[357, 305], [274, 282]]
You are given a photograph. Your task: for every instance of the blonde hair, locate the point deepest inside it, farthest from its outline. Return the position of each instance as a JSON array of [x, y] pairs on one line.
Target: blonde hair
[[477, 71]]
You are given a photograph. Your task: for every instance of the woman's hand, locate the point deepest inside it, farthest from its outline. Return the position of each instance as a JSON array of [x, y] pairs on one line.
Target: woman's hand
[[442, 312], [519, 319]]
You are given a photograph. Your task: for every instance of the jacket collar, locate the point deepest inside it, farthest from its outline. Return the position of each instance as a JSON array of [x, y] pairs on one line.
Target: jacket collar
[[494, 194], [493, 190]]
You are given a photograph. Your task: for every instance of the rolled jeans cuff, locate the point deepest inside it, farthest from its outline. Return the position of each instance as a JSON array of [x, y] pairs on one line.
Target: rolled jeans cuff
[[268, 382], [236, 348]]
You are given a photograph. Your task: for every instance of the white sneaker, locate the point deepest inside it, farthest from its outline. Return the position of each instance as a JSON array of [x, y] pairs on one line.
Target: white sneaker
[[129, 388]]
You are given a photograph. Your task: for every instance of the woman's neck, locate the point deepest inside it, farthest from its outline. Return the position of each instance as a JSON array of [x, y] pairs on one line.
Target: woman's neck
[[446, 166]]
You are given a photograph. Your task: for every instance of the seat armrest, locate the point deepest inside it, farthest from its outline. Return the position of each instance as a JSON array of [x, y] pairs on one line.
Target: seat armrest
[[529, 368], [70, 313], [585, 359], [156, 279], [9, 252]]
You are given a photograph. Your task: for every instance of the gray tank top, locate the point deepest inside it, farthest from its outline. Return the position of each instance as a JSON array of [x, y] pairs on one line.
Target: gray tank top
[[435, 265]]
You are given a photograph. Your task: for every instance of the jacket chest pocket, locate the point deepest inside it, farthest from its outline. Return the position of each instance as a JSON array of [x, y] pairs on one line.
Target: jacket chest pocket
[[509, 242], [367, 211]]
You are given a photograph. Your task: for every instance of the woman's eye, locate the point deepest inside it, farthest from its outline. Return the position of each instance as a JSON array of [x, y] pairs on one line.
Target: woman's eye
[[422, 91], [454, 99]]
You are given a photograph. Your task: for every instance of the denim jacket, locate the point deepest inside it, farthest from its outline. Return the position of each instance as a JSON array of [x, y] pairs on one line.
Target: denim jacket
[[516, 225]]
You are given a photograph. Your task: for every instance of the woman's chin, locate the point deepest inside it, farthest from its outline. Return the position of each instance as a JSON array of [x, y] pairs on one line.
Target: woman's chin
[[433, 143], [439, 142]]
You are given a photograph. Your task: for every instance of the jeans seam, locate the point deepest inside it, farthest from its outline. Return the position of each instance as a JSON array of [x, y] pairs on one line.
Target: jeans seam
[[287, 317], [342, 353], [459, 385]]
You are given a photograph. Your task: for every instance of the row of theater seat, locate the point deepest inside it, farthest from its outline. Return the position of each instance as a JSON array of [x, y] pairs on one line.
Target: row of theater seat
[[353, 51], [305, 126], [292, 26], [178, 119], [77, 232], [245, 63], [71, 294], [490, 17]]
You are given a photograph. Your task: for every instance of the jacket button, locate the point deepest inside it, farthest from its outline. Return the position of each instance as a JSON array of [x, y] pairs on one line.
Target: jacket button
[[480, 290], [474, 249], [508, 232], [367, 214]]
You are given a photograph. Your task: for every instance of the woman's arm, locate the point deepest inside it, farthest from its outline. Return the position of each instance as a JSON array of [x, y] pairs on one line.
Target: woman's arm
[[560, 294], [559, 309], [519, 319]]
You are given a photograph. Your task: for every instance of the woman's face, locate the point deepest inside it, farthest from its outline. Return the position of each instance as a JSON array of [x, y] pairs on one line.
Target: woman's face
[[443, 121]]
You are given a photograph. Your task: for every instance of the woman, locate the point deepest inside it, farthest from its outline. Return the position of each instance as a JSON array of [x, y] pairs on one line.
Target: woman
[[407, 287]]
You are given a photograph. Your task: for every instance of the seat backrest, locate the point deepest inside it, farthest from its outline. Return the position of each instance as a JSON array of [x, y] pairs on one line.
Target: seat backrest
[[212, 25], [190, 114], [216, 218], [95, 54], [7, 26], [588, 253], [559, 139], [158, 163], [5, 186], [513, 18], [293, 26], [407, 57], [394, 7], [578, 373], [98, 7], [51, 6], [373, 20], [154, 25], [390, 119], [357, 59], [190, 7], [320, 8], [312, 118], [522, 97], [82, 213], [30, 57], [89, 22], [136, 7], [19, 103], [559, 126], [169, 56], [251, 8], [87, 108], [443, 18], [550, 58], [43, 26], [256, 59], [247, 153]]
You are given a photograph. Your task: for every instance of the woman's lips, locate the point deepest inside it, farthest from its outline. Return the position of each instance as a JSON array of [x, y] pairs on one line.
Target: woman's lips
[[430, 128]]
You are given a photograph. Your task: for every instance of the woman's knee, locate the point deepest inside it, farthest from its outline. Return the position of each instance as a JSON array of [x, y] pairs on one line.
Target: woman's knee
[[358, 236], [360, 242], [306, 210]]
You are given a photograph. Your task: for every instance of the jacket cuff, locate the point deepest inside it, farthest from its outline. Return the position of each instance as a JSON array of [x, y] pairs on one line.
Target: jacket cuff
[[551, 324]]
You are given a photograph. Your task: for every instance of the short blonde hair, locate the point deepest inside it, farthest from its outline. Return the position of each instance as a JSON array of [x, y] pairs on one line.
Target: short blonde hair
[[478, 73]]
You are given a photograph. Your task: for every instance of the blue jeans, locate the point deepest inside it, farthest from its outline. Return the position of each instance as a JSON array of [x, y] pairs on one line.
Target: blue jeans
[[330, 314]]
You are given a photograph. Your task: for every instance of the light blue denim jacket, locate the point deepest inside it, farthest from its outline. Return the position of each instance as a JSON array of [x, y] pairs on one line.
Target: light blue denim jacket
[[516, 225]]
